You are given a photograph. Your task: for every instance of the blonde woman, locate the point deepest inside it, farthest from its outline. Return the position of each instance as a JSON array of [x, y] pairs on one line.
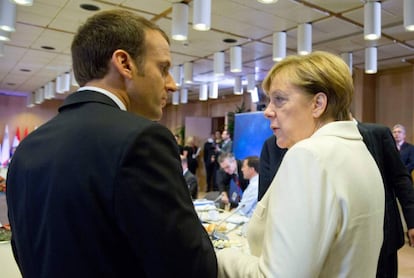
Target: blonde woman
[[323, 214]]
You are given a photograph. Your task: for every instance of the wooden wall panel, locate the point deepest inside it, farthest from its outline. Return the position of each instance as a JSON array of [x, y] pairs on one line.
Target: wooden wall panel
[[363, 105], [14, 113], [395, 99], [386, 98]]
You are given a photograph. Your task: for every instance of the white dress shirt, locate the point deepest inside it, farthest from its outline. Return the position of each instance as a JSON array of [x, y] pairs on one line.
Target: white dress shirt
[[106, 93], [249, 200]]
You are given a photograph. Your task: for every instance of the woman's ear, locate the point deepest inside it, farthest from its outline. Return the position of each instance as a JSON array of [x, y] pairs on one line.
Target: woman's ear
[[320, 101], [122, 62]]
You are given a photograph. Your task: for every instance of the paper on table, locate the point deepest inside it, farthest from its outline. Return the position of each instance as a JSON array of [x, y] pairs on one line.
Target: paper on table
[[237, 219]]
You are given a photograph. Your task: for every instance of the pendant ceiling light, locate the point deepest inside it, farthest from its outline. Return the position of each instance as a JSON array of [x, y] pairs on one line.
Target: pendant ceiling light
[[176, 74], [236, 59], [184, 95], [251, 82], [267, 1], [213, 90], [66, 82], [409, 15], [202, 15], [347, 57], [59, 84], [371, 60], [254, 95], [219, 63], [4, 35], [179, 21], [1, 49], [73, 79], [24, 2], [50, 90], [7, 16], [203, 94], [304, 38], [238, 88], [372, 21], [30, 100], [188, 72], [176, 98], [279, 46], [39, 96]]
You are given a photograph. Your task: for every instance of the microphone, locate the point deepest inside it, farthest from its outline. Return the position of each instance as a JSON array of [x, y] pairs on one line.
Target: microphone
[[218, 198]]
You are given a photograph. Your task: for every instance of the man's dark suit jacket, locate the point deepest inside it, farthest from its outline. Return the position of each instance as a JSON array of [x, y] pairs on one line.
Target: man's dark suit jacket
[[270, 158], [209, 150], [407, 156], [192, 183], [397, 184], [99, 192], [223, 180]]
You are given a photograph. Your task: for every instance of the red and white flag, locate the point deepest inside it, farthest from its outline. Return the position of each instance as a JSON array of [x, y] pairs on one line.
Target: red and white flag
[[16, 139], [5, 149], [26, 132]]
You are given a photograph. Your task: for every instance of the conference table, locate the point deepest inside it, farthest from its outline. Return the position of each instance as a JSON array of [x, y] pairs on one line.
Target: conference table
[[8, 266], [230, 227], [227, 229]]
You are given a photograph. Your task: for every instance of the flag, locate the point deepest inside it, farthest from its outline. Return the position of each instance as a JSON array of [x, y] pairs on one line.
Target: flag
[[26, 132], [16, 139], [5, 150]]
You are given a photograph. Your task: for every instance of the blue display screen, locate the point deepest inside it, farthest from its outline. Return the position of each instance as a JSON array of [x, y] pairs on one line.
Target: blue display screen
[[250, 132]]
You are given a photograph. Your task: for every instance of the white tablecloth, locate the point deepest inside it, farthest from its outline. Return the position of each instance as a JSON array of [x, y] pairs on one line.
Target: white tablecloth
[[8, 266]]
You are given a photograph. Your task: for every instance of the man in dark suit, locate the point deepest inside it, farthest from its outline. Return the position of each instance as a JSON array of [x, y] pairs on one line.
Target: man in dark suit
[[230, 180], [190, 178], [270, 158], [397, 184], [406, 149], [98, 191], [209, 158]]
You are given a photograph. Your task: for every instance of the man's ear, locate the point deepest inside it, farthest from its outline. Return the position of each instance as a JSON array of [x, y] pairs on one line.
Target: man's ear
[[320, 102], [122, 62]]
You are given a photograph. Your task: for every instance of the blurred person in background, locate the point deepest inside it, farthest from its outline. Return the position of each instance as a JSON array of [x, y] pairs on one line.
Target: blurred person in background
[[250, 169], [190, 179], [191, 152], [406, 149], [209, 158], [230, 180]]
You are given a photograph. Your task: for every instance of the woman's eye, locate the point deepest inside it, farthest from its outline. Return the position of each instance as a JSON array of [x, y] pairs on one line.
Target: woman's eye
[[278, 100]]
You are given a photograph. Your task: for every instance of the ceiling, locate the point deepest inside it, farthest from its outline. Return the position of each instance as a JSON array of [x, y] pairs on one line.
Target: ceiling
[[337, 27]]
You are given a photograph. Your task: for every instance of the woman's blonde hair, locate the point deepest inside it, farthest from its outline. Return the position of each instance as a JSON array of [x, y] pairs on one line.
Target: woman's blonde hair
[[318, 72]]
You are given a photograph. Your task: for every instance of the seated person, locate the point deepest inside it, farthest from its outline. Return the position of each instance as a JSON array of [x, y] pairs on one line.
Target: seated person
[[230, 182], [190, 179], [248, 202]]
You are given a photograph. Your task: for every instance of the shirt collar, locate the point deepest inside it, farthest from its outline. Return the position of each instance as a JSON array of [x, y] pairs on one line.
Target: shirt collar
[[107, 93], [254, 178]]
